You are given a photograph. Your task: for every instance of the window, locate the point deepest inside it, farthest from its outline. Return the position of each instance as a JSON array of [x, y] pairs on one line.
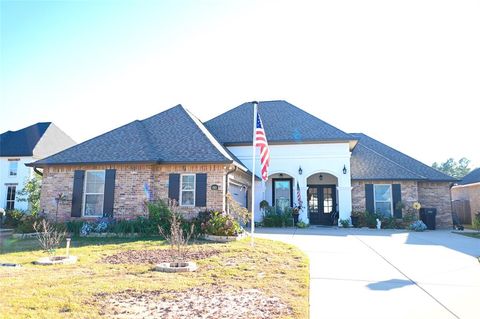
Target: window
[[11, 192], [282, 194], [383, 199], [187, 190], [12, 167], [93, 193]]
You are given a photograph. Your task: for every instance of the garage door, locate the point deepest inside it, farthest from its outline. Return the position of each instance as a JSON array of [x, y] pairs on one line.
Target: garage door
[[238, 194]]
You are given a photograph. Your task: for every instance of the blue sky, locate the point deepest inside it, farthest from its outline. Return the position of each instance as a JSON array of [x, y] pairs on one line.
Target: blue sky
[[406, 73]]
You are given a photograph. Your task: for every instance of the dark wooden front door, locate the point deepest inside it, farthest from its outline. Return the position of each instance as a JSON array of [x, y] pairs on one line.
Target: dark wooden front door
[[322, 203]]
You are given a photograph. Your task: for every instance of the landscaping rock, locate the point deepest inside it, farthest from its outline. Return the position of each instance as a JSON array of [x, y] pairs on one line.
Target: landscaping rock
[[176, 267]]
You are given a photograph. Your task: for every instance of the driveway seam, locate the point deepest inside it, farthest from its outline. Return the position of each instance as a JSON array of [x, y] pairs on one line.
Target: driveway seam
[[406, 276]]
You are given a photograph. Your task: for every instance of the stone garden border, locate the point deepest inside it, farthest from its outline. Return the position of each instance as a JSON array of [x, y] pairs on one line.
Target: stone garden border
[[224, 239], [56, 260], [176, 267]]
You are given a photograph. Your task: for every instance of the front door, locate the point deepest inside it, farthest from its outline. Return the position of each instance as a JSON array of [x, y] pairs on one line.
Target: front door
[[322, 203]]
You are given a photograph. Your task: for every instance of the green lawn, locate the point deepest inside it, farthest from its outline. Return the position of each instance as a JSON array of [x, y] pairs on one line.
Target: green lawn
[[473, 235], [72, 291]]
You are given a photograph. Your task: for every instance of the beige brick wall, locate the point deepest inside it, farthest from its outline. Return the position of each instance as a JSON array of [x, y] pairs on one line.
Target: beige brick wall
[[129, 200], [437, 195], [470, 193], [409, 192]]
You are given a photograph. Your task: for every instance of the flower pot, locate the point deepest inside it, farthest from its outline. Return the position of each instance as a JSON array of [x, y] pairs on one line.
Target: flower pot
[[295, 219], [355, 220]]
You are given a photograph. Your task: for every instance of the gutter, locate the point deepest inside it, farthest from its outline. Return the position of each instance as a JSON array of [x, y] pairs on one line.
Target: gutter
[[35, 169]]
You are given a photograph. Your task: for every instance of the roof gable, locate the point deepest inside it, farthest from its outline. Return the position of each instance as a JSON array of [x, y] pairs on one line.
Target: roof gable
[[22, 142], [171, 136], [471, 178], [374, 160], [283, 123]]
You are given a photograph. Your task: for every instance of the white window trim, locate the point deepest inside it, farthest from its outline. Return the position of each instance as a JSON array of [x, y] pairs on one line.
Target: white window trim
[[383, 201], [84, 196], [6, 195], [10, 160], [193, 190]]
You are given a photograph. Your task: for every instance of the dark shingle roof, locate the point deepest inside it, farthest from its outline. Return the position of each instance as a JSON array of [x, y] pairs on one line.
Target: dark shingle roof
[[22, 142], [471, 178], [283, 122], [173, 136], [373, 160]]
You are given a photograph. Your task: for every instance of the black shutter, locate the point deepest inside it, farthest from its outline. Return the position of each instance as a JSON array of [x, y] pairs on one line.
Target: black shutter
[[109, 193], [173, 186], [201, 190], [77, 196], [397, 198], [369, 200]]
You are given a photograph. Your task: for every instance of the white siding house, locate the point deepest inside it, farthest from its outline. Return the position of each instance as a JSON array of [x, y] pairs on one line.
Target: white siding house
[[25, 146]]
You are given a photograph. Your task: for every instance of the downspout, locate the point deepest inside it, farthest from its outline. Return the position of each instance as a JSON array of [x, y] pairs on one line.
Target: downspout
[[226, 187]]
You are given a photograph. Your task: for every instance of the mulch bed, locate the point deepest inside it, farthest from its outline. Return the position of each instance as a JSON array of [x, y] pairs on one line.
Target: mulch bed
[[199, 302], [156, 256]]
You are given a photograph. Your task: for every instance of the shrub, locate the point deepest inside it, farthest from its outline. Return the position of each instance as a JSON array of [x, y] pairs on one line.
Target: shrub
[[74, 227], [345, 223], [391, 222], [367, 219], [159, 213], [13, 218], [476, 221], [302, 224], [417, 226], [27, 223], [222, 225], [273, 218]]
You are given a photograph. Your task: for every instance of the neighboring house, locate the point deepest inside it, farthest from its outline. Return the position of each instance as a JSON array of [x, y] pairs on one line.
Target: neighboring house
[[468, 189], [174, 155], [24, 146]]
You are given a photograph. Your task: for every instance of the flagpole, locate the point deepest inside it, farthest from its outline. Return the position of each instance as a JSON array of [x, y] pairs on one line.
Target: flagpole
[[252, 222]]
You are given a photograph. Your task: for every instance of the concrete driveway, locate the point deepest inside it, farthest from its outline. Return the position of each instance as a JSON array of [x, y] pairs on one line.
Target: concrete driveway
[[362, 273]]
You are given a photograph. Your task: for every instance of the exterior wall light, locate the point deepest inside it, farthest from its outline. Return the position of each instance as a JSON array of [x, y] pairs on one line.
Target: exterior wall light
[[344, 169], [300, 170]]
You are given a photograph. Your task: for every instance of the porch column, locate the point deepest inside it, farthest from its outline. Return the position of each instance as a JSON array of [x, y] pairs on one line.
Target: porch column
[[344, 202]]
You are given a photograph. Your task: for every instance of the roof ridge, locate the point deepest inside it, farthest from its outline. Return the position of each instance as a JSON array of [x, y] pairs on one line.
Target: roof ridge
[[388, 159], [208, 134]]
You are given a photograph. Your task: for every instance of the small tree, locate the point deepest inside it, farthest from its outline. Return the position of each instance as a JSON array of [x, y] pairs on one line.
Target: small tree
[[48, 236], [238, 212], [177, 237], [31, 194]]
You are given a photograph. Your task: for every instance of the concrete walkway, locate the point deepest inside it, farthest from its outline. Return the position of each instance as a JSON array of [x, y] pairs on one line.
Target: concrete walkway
[[362, 273]]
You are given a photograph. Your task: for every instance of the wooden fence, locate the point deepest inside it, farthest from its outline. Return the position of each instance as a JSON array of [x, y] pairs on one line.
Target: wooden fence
[[462, 208]]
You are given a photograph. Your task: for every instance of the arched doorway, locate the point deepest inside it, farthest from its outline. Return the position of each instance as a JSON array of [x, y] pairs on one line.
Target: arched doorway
[[322, 199], [280, 191]]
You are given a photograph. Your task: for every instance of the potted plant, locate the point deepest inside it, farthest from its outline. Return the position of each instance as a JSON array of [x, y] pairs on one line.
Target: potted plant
[[295, 214], [355, 217], [264, 204]]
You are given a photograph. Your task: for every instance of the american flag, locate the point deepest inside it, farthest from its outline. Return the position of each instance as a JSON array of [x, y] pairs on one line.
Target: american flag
[[299, 196], [261, 140]]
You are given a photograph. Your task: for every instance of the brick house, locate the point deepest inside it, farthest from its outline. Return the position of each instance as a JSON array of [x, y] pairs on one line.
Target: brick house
[[174, 155], [468, 189]]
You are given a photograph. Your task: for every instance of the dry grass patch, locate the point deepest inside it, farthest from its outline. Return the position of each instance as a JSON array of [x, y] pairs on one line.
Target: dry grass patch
[[199, 302], [79, 291]]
